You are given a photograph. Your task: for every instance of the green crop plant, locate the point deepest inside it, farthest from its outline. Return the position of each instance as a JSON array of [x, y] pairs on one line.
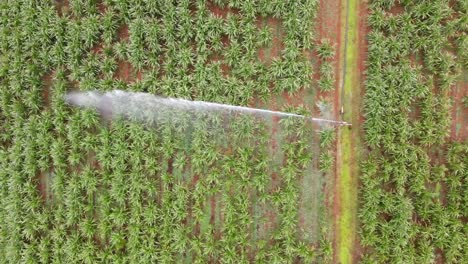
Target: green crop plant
[[407, 109], [326, 53], [326, 161], [75, 188], [325, 49], [327, 76], [326, 84], [327, 137]]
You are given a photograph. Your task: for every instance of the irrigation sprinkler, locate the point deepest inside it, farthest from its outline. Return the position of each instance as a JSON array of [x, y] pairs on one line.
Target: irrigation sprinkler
[[148, 107]]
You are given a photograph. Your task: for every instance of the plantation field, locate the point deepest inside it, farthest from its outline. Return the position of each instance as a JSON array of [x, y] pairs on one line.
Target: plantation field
[[231, 189], [80, 186]]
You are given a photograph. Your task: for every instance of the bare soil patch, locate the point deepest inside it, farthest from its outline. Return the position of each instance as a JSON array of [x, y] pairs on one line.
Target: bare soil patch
[[459, 127], [221, 12], [124, 71], [123, 32], [47, 81], [42, 185], [62, 7]]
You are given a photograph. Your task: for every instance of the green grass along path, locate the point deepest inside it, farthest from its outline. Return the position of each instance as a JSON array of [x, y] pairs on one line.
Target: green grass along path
[[348, 140]]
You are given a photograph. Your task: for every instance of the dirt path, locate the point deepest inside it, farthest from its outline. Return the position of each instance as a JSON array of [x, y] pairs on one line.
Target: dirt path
[[328, 26], [348, 152]]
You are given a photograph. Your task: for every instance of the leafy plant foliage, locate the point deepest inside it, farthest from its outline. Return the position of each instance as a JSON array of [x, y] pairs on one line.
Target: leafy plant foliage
[[411, 210], [76, 190]]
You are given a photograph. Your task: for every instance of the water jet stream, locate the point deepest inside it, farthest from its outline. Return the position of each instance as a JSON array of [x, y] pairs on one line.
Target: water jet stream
[[151, 108]]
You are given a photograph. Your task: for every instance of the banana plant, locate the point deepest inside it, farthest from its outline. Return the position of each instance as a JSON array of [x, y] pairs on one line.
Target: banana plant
[[325, 49], [327, 137]]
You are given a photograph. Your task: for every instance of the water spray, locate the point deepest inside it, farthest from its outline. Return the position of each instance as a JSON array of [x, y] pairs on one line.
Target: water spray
[[144, 106]]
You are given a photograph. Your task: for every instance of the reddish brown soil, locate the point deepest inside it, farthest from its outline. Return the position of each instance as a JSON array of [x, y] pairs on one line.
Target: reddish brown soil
[[396, 9], [101, 7], [439, 256], [268, 54], [124, 71], [274, 148], [225, 40], [47, 81], [459, 128], [328, 27], [218, 58], [261, 51], [97, 48], [363, 49], [42, 185], [123, 33], [271, 224], [62, 7], [213, 210], [278, 44], [221, 12], [364, 30]]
